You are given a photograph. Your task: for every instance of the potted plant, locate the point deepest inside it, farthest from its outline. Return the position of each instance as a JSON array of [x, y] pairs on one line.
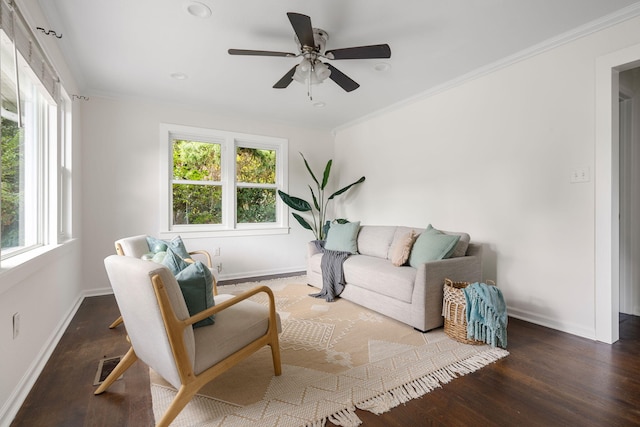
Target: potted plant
[[319, 224]]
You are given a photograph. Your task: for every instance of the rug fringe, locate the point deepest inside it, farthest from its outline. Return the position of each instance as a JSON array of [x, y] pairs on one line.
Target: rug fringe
[[421, 386], [345, 418]]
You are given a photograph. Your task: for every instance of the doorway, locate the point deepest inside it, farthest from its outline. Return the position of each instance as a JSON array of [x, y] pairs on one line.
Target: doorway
[[629, 137], [607, 190]]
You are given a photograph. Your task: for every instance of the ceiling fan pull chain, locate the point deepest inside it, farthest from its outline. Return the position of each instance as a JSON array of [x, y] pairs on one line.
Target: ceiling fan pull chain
[[309, 93]]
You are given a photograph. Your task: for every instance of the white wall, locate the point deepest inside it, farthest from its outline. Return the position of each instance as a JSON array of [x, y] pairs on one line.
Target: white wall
[[121, 185], [493, 157], [45, 290]]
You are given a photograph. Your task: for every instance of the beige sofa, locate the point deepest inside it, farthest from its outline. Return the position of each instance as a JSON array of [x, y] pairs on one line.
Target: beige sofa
[[409, 295]]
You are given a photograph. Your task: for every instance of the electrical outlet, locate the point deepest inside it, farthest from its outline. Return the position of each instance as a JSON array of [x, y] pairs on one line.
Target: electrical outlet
[[217, 252], [16, 325], [219, 267]]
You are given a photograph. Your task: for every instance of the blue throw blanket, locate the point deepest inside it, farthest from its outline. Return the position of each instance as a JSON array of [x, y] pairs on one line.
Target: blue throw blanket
[[332, 272], [486, 314]]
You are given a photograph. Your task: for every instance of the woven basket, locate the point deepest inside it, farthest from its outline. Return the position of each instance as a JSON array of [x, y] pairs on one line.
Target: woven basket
[[454, 310]]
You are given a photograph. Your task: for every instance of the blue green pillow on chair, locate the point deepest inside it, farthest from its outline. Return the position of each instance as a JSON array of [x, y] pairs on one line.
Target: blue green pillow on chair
[[196, 284], [174, 262], [156, 245]]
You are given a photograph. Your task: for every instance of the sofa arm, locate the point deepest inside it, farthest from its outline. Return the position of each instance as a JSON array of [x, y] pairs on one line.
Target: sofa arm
[[312, 249], [426, 302]]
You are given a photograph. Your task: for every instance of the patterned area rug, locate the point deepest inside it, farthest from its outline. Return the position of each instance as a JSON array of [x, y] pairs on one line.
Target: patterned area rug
[[335, 357]]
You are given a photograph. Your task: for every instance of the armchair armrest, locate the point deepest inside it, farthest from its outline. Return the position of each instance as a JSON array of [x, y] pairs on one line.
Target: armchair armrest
[[205, 254], [235, 300]]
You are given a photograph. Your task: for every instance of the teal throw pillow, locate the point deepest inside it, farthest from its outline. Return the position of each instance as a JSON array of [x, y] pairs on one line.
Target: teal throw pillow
[[343, 237], [174, 262], [432, 245], [196, 284], [157, 245]]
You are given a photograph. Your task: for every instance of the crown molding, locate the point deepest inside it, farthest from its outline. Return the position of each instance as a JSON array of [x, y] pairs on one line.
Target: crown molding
[[592, 27]]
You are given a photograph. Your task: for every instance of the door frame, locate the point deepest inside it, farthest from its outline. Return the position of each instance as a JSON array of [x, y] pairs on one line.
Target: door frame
[[607, 190]]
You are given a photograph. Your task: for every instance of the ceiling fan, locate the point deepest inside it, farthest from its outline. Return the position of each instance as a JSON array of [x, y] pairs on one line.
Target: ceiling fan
[[311, 46]]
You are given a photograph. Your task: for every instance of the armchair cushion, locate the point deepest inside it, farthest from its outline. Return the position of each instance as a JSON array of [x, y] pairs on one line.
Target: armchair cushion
[[236, 326], [196, 284]]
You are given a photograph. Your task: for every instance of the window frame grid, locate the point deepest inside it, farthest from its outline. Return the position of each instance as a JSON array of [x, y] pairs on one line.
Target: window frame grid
[[229, 142]]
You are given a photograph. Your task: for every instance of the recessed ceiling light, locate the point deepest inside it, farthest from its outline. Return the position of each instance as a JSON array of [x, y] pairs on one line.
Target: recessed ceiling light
[[382, 66], [197, 9], [179, 76], [319, 104]]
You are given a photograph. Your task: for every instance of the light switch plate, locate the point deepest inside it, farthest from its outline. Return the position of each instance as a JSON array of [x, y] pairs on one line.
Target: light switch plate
[[580, 174]]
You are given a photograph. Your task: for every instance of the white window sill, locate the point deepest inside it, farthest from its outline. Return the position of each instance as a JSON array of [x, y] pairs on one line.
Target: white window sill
[[239, 232]]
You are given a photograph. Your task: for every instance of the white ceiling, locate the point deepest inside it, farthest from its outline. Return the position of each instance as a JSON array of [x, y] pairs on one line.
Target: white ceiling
[[129, 48]]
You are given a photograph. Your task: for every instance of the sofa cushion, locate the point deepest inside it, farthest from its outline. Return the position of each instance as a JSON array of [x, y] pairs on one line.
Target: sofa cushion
[[380, 276], [432, 245], [374, 240], [399, 254], [343, 237]]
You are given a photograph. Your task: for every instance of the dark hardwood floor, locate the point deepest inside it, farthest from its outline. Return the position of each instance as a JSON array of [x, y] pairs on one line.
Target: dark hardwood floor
[[549, 379]]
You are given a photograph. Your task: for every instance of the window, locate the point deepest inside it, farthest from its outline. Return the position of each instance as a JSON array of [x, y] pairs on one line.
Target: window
[[30, 135], [220, 181]]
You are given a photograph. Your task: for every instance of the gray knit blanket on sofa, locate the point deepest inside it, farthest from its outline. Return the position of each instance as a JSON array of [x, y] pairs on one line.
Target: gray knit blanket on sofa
[[332, 272]]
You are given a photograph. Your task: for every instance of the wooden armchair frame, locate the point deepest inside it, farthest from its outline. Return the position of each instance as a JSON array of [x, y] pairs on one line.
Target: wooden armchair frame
[[191, 382], [204, 253]]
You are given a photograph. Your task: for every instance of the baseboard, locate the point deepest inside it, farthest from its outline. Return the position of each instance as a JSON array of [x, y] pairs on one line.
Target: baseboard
[[97, 292], [11, 407], [570, 328], [249, 275]]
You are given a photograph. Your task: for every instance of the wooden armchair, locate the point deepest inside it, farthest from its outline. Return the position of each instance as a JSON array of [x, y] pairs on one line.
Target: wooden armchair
[[136, 246], [161, 333]]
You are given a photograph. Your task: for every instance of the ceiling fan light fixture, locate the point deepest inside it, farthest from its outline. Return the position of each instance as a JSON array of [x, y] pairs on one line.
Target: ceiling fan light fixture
[[299, 75], [322, 71], [307, 73], [305, 65]]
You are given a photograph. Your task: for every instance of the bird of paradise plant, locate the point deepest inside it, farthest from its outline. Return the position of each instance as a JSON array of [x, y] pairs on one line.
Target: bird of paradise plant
[[319, 224]]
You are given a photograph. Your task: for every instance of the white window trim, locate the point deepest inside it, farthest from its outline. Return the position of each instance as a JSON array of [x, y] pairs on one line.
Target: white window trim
[[229, 141], [41, 189]]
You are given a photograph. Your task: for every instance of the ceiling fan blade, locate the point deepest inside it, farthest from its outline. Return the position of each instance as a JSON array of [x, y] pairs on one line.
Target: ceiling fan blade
[[259, 53], [361, 52], [344, 81], [286, 79], [302, 26]]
